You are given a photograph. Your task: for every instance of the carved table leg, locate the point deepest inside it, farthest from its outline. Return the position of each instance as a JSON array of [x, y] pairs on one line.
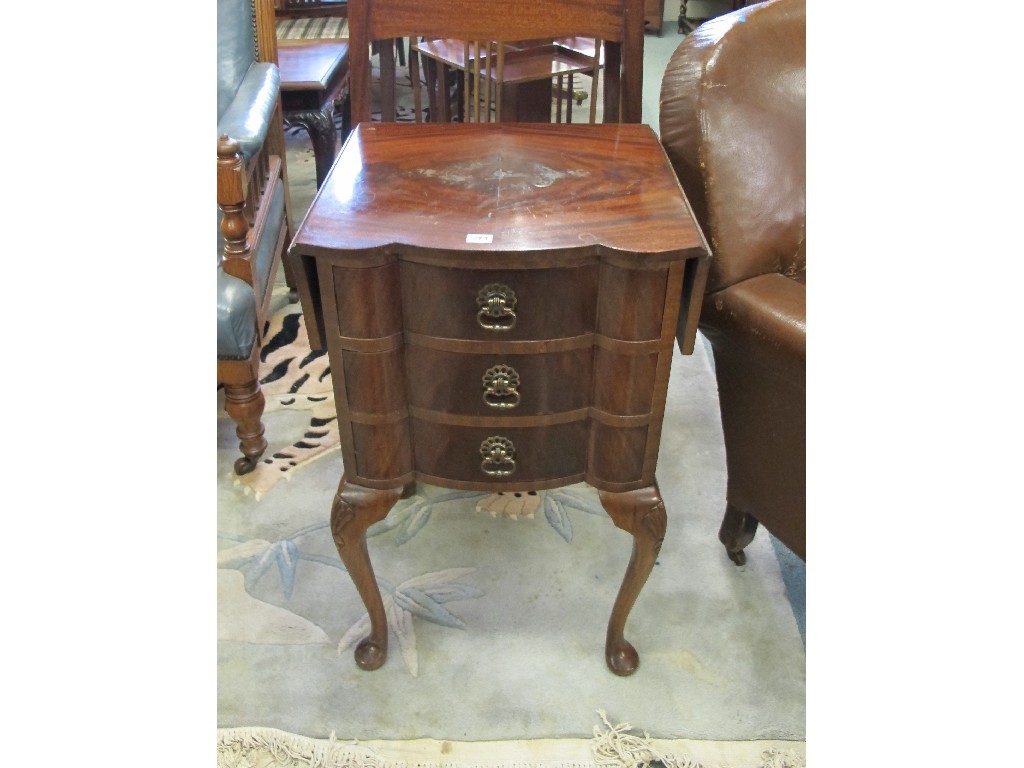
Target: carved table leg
[[320, 125], [737, 531], [641, 513], [355, 509]]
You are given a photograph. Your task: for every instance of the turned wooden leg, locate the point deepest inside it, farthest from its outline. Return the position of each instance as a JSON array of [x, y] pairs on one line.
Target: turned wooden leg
[[355, 509], [641, 513], [244, 404], [737, 531]]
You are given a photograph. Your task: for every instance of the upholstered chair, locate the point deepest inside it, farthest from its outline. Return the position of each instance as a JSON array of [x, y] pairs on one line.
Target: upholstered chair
[[733, 125], [252, 201]]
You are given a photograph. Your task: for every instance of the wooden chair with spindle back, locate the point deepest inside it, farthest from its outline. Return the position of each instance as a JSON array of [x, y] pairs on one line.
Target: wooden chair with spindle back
[[482, 25]]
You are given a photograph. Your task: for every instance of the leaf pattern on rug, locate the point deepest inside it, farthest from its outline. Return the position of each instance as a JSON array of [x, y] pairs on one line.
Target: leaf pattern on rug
[[556, 505], [246, 619], [409, 515], [421, 596]]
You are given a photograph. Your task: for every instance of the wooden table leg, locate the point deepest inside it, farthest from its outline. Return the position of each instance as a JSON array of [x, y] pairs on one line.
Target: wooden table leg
[[355, 509], [322, 132], [641, 513]]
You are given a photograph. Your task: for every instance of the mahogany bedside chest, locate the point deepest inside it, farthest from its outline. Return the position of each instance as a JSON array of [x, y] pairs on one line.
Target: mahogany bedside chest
[[499, 303]]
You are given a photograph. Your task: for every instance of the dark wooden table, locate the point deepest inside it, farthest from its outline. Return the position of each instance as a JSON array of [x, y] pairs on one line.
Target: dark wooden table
[[314, 78], [500, 304]]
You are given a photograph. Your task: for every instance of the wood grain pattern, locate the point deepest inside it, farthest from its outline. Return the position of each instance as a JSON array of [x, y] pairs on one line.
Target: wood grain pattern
[[623, 384], [622, 315], [454, 382], [532, 188], [541, 453], [370, 299], [550, 303]]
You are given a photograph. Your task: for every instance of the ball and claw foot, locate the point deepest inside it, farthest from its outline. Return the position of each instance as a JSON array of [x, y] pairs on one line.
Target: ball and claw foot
[[622, 660], [370, 655], [246, 464]]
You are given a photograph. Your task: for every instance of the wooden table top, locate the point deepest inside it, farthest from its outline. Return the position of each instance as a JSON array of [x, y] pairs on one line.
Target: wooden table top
[[502, 188], [309, 65]]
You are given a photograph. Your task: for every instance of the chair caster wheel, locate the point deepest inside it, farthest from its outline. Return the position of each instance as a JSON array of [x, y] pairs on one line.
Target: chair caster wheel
[[245, 464], [740, 558]]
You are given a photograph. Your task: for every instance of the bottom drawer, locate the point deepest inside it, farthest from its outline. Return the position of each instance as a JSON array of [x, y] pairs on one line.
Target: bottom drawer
[[500, 454]]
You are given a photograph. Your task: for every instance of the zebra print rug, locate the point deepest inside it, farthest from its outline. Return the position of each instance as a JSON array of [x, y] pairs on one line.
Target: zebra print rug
[[293, 377]]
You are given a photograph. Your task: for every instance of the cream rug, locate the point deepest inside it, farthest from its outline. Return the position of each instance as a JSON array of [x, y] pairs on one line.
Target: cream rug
[[497, 605]]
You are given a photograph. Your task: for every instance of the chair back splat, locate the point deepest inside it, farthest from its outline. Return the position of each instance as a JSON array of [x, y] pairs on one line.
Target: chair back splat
[[476, 27]]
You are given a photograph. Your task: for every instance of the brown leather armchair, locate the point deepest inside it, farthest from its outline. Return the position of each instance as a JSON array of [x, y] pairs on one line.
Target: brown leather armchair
[[733, 124]]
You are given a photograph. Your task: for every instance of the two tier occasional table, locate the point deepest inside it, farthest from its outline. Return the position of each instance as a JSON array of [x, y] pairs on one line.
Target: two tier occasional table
[[500, 304]]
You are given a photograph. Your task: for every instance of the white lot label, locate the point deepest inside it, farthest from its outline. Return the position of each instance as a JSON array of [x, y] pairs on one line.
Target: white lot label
[[479, 238]]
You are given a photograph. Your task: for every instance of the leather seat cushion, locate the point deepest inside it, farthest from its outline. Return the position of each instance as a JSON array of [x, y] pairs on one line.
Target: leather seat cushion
[[236, 301]]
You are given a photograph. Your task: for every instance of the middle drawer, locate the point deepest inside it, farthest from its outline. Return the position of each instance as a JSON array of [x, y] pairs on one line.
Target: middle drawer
[[498, 385]]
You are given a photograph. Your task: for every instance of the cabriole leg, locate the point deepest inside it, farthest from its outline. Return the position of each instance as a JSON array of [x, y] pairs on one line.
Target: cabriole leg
[[641, 513], [355, 509]]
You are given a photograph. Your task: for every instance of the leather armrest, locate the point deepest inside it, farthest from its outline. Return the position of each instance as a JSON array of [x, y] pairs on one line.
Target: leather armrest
[[764, 317], [236, 317], [247, 118]]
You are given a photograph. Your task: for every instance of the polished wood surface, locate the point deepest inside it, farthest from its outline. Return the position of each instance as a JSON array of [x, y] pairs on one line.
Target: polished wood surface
[[501, 323], [617, 22], [534, 189], [309, 65]]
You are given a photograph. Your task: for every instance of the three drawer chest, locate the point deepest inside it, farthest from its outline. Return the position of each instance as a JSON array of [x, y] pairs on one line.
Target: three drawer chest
[[500, 304]]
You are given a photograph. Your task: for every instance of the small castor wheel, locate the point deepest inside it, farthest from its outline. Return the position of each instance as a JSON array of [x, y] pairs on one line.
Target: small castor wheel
[[740, 558], [246, 464]]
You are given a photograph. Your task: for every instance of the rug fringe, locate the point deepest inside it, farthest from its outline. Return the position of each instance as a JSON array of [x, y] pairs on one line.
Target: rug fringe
[[614, 748]]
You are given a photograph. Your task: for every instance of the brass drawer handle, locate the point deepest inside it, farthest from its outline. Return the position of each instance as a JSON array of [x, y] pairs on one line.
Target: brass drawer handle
[[501, 387], [499, 456], [497, 304]]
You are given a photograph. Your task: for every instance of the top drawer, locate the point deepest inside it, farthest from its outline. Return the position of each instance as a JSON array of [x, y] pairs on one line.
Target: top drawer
[[499, 305]]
